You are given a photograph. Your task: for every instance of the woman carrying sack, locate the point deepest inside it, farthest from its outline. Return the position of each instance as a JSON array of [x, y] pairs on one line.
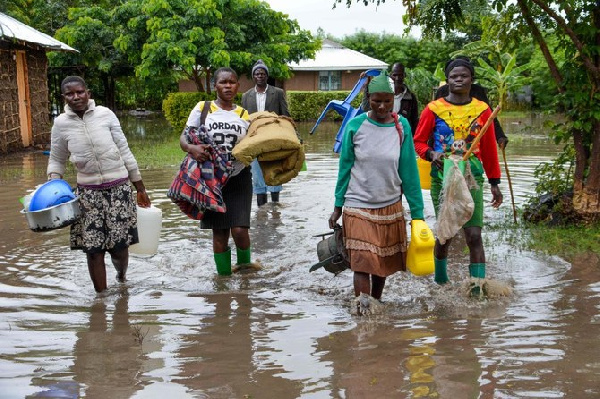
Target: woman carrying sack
[[448, 125], [377, 165]]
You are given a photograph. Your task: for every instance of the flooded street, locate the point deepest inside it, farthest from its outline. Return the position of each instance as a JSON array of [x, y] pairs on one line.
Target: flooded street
[[177, 330]]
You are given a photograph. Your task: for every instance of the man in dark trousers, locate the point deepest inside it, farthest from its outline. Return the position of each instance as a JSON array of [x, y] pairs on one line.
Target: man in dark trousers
[[263, 97], [478, 92]]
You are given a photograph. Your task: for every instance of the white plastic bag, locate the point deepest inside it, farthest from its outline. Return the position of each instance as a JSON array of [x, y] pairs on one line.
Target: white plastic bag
[[456, 204]]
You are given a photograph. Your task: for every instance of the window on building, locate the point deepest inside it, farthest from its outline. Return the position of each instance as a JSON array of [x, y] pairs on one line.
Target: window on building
[[330, 80]]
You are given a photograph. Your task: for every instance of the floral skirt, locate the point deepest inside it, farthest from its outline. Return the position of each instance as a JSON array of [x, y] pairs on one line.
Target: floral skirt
[[108, 220], [376, 239]]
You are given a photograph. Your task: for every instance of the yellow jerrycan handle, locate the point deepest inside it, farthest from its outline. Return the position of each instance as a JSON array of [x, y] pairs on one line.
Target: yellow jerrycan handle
[[419, 259]]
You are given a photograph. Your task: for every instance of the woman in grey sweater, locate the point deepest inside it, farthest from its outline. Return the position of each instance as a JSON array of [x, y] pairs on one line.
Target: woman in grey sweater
[[377, 166]]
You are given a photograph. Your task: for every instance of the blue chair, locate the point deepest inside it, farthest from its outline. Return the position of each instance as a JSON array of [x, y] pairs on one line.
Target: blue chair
[[345, 109]]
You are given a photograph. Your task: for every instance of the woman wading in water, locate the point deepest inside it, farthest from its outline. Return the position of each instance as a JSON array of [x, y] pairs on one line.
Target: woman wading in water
[[377, 165]]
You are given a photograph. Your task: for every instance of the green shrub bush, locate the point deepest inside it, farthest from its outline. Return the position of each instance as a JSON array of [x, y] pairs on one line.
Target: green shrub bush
[[303, 105], [308, 105], [177, 106]]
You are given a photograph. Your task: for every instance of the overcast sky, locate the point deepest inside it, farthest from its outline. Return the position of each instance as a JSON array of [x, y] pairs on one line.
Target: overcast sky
[[341, 21]]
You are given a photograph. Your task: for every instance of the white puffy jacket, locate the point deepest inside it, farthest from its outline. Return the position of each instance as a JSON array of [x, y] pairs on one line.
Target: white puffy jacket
[[97, 145]]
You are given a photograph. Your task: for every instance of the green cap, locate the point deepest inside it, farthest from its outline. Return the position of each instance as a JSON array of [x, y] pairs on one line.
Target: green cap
[[381, 84]]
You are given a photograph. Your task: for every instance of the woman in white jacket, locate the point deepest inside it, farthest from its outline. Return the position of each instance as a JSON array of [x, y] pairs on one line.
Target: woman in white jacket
[[98, 149]]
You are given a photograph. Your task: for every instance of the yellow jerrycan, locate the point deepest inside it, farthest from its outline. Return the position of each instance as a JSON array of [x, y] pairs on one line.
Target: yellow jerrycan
[[419, 258], [424, 168]]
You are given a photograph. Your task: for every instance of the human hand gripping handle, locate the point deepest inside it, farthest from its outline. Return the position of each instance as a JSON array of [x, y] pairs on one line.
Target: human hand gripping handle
[[437, 159], [142, 197], [337, 212]]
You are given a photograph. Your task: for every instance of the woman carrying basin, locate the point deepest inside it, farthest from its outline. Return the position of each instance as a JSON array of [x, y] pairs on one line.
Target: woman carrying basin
[[91, 137]]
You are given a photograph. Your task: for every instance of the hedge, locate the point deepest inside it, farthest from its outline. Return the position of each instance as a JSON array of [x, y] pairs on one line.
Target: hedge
[[303, 105], [308, 105]]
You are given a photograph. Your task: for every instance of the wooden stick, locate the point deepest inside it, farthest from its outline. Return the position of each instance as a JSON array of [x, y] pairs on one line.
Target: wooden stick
[[482, 132], [512, 196]]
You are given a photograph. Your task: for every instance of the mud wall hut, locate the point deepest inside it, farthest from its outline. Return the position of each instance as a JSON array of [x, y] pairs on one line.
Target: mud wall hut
[[24, 101]]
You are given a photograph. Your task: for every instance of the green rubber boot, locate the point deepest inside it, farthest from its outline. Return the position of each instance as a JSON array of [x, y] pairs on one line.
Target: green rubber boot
[[441, 274], [243, 256], [223, 261], [477, 271]]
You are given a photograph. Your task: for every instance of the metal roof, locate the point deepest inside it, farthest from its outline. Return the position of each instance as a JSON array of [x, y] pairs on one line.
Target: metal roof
[[334, 57], [10, 28]]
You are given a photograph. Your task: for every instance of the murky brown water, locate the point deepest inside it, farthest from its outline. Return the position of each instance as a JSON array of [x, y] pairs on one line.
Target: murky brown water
[[176, 330]]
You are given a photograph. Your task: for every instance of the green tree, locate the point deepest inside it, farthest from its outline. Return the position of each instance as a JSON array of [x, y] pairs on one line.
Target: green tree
[[576, 25], [44, 15], [496, 68], [196, 36], [392, 48], [92, 30]]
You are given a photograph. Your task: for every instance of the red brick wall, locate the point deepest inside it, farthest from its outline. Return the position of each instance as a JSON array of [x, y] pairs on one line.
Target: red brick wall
[[300, 81]]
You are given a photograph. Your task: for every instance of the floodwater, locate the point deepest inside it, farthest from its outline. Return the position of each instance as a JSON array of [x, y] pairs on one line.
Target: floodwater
[[176, 330]]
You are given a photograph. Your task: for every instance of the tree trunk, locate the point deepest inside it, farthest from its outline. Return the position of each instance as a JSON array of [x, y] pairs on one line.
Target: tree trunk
[[197, 77], [109, 91], [208, 78], [111, 94], [580, 161], [537, 35], [198, 82], [586, 193]]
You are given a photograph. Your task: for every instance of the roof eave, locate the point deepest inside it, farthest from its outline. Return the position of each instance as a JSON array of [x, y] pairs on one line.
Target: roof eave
[[339, 68]]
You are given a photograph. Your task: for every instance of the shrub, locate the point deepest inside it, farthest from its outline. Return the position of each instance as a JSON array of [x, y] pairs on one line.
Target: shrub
[[177, 106], [303, 105], [553, 202], [308, 105]]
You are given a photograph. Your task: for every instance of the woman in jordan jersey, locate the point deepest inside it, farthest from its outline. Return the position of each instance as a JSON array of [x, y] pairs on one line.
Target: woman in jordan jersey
[[226, 124], [448, 121]]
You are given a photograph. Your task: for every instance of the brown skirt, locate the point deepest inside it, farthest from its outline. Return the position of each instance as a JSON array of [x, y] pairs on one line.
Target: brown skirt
[[376, 239]]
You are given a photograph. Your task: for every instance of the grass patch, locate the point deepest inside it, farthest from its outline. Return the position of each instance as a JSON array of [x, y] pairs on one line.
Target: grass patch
[[565, 241], [515, 113], [160, 155]]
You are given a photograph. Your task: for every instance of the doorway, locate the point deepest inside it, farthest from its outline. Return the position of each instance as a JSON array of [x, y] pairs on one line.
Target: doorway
[[23, 98]]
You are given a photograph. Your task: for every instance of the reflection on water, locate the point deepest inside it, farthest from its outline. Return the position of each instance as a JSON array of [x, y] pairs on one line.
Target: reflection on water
[[107, 354], [176, 329]]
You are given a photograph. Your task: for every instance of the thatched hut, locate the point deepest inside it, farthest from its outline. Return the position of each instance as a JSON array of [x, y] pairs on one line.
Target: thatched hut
[[24, 101]]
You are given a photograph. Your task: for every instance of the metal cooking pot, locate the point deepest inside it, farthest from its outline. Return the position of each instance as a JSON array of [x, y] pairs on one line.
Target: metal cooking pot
[[332, 252], [55, 217]]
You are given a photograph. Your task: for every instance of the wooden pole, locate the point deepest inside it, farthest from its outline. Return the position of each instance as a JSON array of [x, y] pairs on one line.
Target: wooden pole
[[512, 196], [484, 129]]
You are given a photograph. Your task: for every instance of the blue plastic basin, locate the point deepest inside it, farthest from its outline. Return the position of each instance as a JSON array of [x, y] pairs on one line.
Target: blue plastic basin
[[51, 193]]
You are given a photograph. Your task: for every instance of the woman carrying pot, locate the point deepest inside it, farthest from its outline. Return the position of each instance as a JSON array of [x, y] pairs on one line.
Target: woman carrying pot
[[377, 165], [443, 124], [93, 137]]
